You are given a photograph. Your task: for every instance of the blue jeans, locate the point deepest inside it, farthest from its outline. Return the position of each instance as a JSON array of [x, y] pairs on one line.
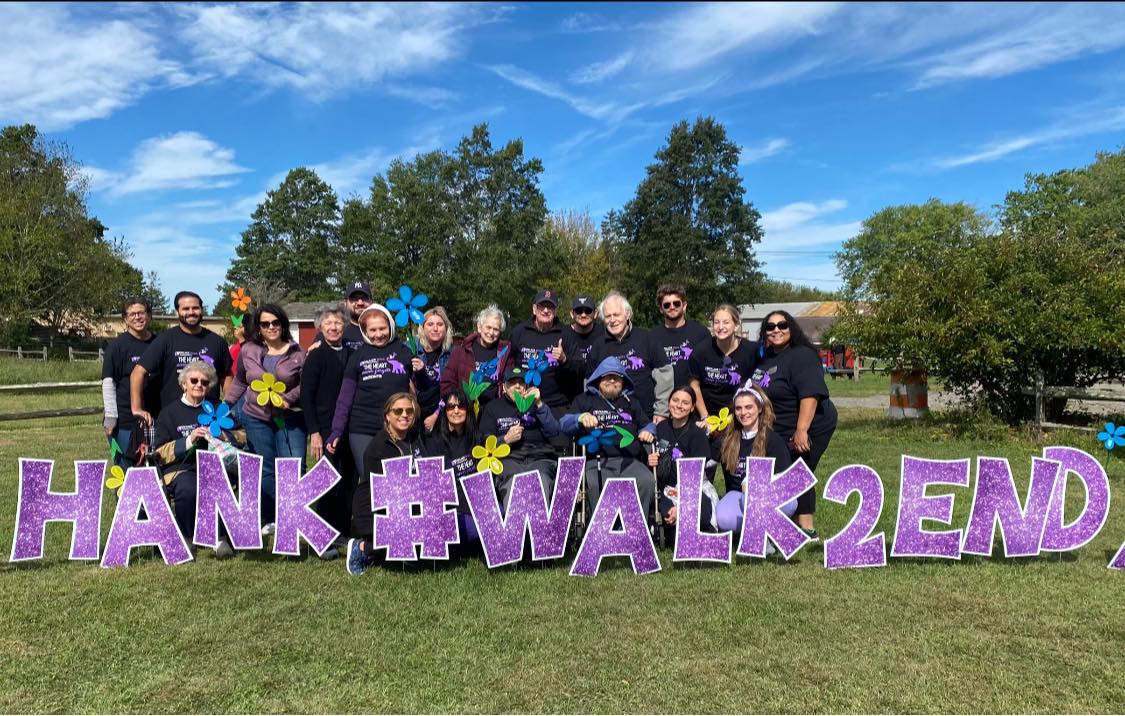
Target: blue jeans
[[122, 436], [270, 441]]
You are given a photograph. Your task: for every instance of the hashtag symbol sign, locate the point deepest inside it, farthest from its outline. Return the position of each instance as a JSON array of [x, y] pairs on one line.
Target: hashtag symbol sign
[[408, 486]]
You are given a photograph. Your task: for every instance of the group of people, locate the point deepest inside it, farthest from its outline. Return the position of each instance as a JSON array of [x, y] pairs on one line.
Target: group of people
[[631, 400]]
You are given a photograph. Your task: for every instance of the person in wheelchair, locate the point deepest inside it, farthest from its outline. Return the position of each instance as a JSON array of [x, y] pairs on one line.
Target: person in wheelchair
[[523, 422], [680, 438], [613, 427], [179, 433]]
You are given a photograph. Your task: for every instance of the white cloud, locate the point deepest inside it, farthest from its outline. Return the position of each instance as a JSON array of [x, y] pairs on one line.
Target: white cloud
[[798, 245], [761, 151], [323, 49], [59, 70], [184, 160], [609, 111], [1080, 123], [599, 71], [799, 213], [98, 179], [581, 22]]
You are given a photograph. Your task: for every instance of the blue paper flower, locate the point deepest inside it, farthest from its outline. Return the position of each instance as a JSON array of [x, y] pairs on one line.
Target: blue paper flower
[[595, 440], [536, 364], [217, 420], [1112, 436], [407, 305]]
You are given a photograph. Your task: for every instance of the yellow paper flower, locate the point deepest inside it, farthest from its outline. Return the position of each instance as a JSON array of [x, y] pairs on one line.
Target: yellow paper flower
[[116, 479], [240, 299], [269, 390], [489, 454], [720, 421]]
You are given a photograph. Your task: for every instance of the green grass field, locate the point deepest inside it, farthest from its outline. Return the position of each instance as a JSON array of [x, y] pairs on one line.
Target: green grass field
[[263, 633]]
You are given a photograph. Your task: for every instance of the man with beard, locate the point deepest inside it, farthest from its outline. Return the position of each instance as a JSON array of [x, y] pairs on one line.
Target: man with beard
[[679, 335], [613, 424], [581, 334], [175, 348]]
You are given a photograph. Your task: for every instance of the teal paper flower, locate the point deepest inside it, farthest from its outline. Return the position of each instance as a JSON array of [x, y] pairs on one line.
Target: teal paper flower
[[1112, 436]]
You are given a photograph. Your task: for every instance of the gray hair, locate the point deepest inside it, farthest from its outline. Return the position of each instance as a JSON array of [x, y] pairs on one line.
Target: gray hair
[[330, 309], [198, 366], [625, 305], [491, 311]]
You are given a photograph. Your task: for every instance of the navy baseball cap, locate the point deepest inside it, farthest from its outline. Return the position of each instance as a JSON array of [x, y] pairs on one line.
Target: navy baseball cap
[[547, 296], [583, 302], [358, 287]]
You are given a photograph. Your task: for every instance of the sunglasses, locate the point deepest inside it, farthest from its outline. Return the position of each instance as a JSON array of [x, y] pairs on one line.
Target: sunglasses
[[780, 326], [672, 304], [450, 407], [270, 324], [408, 412], [199, 381], [583, 311]]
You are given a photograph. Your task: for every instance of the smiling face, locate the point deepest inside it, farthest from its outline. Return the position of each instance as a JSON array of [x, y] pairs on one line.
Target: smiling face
[[583, 317], [456, 414], [434, 330], [189, 311], [196, 385], [489, 331], [270, 326], [680, 404], [611, 385], [672, 307], [377, 328], [544, 313], [137, 317], [400, 417], [356, 303], [614, 317], [746, 411], [780, 334], [332, 328], [723, 324]]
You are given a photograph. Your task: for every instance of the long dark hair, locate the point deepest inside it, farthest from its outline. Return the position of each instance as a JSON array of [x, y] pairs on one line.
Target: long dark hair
[[254, 331], [470, 429], [797, 337]]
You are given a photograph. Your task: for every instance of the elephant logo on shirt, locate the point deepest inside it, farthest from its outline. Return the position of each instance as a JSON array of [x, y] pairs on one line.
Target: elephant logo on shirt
[[634, 362], [686, 350], [396, 366]]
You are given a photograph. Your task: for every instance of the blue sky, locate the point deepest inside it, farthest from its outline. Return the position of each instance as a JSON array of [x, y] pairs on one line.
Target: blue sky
[[185, 115]]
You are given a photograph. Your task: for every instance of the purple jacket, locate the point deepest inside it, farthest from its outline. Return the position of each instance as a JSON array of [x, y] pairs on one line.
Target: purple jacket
[[250, 368]]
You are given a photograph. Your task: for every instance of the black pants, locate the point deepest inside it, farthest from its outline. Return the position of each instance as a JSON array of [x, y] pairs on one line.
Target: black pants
[[664, 505], [335, 506], [806, 502]]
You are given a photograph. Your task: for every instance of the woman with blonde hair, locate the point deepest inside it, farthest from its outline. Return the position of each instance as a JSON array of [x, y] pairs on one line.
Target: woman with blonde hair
[[435, 342], [750, 434], [721, 363]]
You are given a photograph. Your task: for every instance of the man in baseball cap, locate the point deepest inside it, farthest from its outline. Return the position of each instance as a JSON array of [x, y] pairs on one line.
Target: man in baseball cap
[[357, 297], [580, 335]]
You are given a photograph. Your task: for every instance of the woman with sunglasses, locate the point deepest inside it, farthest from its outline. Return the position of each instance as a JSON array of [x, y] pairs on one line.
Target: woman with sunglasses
[[177, 436], [453, 438], [274, 426], [396, 438], [750, 434], [376, 370], [789, 371]]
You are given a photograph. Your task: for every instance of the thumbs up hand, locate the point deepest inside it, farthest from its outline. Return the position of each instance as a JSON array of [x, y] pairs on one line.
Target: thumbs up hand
[[559, 353]]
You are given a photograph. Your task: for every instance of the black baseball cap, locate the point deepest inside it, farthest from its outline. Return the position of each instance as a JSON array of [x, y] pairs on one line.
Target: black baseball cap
[[583, 302], [358, 287], [547, 296], [514, 372]]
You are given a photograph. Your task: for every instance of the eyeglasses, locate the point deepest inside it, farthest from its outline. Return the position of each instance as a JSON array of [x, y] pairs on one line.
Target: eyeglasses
[[544, 307], [136, 314], [583, 311], [270, 324], [408, 412], [450, 407], [199, 381], [672, 304], [780, 326]]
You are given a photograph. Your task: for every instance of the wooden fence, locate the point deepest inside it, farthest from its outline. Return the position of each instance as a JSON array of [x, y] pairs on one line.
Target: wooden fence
[[1043, 393], [41, 354]]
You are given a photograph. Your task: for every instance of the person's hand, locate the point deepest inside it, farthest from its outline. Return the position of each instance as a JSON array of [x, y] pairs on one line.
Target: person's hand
[[514, 434], [316, 446], [199, 433], [430, 422], [588, 421], [109, 424], [534, 393], [653, 459], [672, 512], [658, 419], [314, 346], [284, 404], [800, 441], [417, 365], [559, 353], [646, 437], [702, 425], [331, 447], [143, 416]]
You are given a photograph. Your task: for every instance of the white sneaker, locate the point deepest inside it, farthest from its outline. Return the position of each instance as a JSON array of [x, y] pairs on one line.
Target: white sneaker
[[770, 549], [269, 529]]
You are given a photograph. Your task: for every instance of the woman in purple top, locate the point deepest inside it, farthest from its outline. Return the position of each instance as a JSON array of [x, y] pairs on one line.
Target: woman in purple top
[[269, 372]]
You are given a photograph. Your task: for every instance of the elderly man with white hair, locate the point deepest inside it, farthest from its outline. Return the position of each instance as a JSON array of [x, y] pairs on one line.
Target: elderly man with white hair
[[644, 360]]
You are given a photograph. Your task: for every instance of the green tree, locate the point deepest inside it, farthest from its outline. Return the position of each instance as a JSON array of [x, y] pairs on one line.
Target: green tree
[[688, 223], [576, 258], [56, 265], [777, 291], [290, 249], [150, 290]]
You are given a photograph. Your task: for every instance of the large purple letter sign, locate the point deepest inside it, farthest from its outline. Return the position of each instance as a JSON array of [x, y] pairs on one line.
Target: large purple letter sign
[[214, 499], [995, 500], [855, 546], [914, 506], [502, 535], [295, 519], [762, 515], [37, 505], [692, 545], [143, 489], [619, 499], [433, 490], [1058, 537]]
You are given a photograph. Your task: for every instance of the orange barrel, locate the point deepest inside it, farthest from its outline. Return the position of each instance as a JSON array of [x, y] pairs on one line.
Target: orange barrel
[[909, 397]]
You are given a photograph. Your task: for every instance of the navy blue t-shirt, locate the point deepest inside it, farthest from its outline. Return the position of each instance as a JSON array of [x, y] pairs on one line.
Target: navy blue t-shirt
[[719, 375]]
